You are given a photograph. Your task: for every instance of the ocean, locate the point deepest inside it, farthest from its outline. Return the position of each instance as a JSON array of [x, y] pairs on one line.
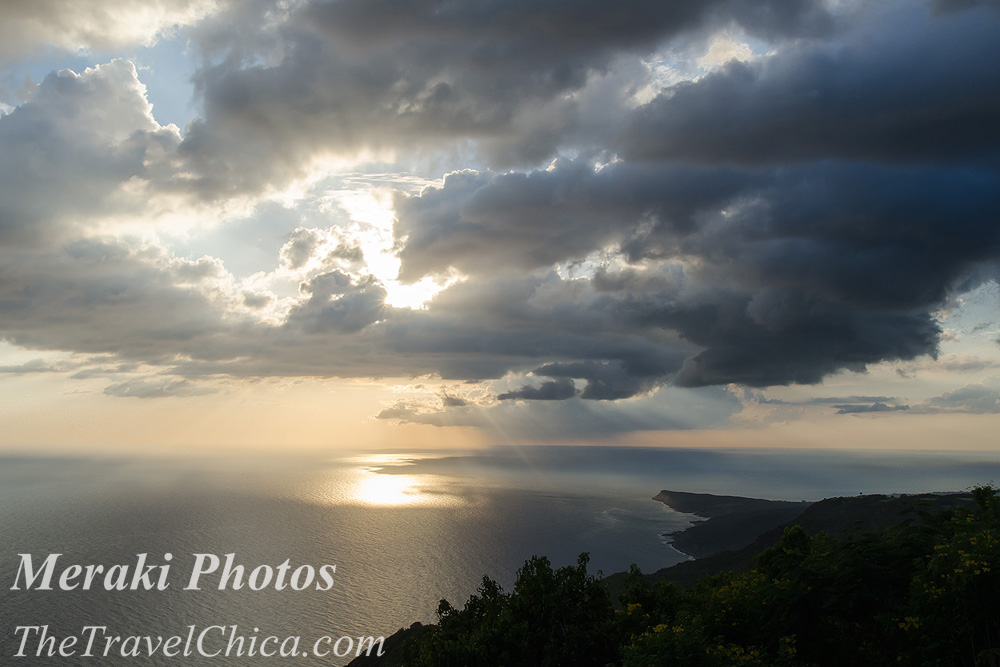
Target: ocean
[[403, 530]]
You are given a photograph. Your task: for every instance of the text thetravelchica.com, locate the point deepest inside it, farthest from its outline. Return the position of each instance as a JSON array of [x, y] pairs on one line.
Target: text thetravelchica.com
[[210, 642]]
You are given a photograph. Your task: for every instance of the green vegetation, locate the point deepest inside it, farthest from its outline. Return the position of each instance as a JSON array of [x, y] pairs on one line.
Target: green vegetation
[[923, 593]]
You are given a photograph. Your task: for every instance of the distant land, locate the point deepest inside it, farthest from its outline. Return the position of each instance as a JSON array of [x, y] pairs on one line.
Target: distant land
[[731, 522], [736, 529], [842, 518]]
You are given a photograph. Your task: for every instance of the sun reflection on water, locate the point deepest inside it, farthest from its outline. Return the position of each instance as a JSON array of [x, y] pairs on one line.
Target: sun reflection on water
[[381, 489], [364, 480]]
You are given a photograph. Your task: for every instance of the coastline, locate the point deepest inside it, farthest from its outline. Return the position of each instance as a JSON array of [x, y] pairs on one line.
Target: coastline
[[724, 523], [687, 557]]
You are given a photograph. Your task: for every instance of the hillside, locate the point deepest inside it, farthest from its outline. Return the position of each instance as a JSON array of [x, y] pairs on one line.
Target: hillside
[[850, 522], [732, 522], [840, 518]]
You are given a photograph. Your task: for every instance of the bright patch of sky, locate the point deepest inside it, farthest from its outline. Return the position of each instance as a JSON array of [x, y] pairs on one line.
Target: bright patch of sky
[[166, 68], [974, 318], [671, 66]]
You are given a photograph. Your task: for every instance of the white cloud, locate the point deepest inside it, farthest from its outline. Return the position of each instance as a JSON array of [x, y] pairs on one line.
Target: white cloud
[[978, 398], [723, 47], [80, 25], [73, 154]]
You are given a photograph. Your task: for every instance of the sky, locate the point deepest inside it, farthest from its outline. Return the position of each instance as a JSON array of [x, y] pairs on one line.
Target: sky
[[328, 224]]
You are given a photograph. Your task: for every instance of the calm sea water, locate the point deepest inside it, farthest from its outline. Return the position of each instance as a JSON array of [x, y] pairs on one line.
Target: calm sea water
[[403, 529]]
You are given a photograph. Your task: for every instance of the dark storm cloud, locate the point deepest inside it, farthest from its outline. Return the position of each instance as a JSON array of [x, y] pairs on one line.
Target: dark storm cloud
[[927, 90], [627, 376], [482, 223], [793, 274], [376, 75], [872, 235], [552, 30], [557, 390], [835, 226], [959, 5], [783, 336], [751, 321], [484, 329]]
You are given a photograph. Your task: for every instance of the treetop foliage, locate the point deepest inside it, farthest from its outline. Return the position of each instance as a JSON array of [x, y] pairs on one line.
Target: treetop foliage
[[920, 594]]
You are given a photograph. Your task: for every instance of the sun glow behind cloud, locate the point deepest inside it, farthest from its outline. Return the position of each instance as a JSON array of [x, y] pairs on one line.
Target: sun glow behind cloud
[[372, 208]]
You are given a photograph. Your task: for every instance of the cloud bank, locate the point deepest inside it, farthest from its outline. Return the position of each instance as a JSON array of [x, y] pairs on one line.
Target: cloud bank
[[618, 214]]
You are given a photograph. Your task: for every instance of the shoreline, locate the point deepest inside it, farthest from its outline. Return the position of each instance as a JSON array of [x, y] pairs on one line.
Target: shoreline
[[724, 523], [687, 557]]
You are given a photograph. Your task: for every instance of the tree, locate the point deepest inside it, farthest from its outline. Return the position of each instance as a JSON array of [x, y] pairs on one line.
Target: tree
[[551, 618]]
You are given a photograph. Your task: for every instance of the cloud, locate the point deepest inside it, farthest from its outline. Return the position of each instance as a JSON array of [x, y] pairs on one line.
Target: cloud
[[338, 302], [775, 221], [779, 337], [574, 418], [780, 275], [454, 402], [33, 366], [979, 398], [863, 99], [372, 77], [483, 222], [483, 329], [962, 363], [399, 411], [834, 225], [106, 296], [71, 149], [729, 309], [621, 378], [78, 25], [878, 406], [257, 300], [163, 388], [827, 400], [326, 247], [556, 390]]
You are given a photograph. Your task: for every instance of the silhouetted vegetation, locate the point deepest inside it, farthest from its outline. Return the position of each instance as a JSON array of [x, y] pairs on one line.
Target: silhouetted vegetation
[[924, 593]]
